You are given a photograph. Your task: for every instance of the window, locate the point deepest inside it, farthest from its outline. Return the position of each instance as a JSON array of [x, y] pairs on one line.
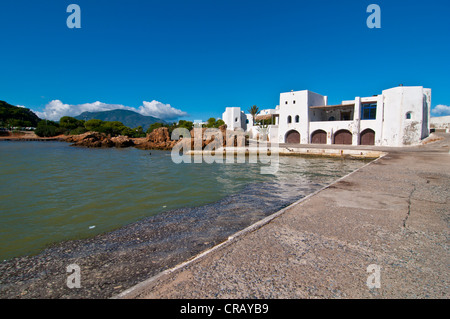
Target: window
[[285, 102], [369, 111], [289, 119], [297, 119], [408, 115], [293, 102], [236, 119], [246, 121], [345, 116]]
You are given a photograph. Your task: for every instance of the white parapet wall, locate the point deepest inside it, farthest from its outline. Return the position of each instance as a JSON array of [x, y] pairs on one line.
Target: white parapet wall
[[440, 123]]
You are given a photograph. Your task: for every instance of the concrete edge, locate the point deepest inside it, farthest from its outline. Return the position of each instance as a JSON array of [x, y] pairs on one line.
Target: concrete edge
[[140, 288], [287, 151]]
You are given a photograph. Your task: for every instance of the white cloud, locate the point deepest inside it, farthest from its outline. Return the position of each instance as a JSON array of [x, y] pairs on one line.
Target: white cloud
[[441, 110], [160, 110], [56, 109]]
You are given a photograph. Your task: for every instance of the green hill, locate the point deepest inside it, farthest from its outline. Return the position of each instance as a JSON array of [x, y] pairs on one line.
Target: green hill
[[15, 116], [128, 118]]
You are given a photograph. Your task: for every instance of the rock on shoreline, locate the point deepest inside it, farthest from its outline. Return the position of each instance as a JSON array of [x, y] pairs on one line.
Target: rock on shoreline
[[158, 139], [95, 139]]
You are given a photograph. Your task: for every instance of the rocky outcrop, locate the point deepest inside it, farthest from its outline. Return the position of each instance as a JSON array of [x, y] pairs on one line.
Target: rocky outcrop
[[122, 141], [227, 135], [237, 139], [95, 139], [158, 139]]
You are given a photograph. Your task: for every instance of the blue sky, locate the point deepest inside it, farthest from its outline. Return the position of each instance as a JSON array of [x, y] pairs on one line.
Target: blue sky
[[202, 56]]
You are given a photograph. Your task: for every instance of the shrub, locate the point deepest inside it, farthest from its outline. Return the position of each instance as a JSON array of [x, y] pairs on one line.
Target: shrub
[[70, 123], [93, 125], [46, 130], [212, 122], [154, 126], [78, 130]]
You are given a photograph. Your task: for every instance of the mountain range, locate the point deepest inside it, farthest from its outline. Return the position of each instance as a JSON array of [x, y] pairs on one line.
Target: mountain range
[[128, 118]]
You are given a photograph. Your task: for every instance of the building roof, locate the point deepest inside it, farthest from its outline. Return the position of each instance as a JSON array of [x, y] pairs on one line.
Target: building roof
[[333, 106], [265, 117]]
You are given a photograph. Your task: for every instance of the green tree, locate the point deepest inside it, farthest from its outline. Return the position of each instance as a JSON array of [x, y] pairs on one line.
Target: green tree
[[45, 131], [138, 132], [212, 122], [254, 110], [220, 122], [10, 112], [127, 132], [113, 128], [18, 123], [186, 124], [47, 128], [69, 123], [154, 126], [78, 130], [93, 125]]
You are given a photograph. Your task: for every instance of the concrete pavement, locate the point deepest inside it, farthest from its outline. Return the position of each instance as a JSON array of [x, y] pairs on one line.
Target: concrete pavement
[[393, 213]]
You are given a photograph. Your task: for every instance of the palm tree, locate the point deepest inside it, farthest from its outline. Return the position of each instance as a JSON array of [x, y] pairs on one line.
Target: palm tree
[[253, 111]]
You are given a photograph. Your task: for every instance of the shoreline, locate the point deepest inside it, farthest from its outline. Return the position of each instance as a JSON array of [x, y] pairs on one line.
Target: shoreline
[[118, 259], [319, 255], [141, 289], [311, 150], [106, 247]]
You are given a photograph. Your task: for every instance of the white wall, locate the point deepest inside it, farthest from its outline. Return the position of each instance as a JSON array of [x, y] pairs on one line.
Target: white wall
[[397, 129], [234, 118], [426, 113], [249, 118], [293, 104], [391, 126], [298, 103], [442, 122]]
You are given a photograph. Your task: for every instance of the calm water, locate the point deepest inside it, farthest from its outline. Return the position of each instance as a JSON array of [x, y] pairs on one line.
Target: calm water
[[51, 192]]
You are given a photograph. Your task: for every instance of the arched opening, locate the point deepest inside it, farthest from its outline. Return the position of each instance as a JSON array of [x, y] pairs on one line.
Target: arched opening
[[292, 137], [319, 137], [289, 119], [297, 119], [408, 115], [343, 137], [367, 137]]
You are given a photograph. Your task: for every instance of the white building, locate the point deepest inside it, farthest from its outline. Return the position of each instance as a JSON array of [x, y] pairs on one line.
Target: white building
[[440, 124], [235, 118], [396, 117]]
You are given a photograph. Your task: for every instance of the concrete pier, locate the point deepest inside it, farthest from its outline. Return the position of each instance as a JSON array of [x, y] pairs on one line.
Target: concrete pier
[[392, 214], [303, 150]]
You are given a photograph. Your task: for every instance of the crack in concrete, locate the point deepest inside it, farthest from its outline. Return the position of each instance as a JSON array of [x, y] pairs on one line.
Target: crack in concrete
[[409, 205]]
